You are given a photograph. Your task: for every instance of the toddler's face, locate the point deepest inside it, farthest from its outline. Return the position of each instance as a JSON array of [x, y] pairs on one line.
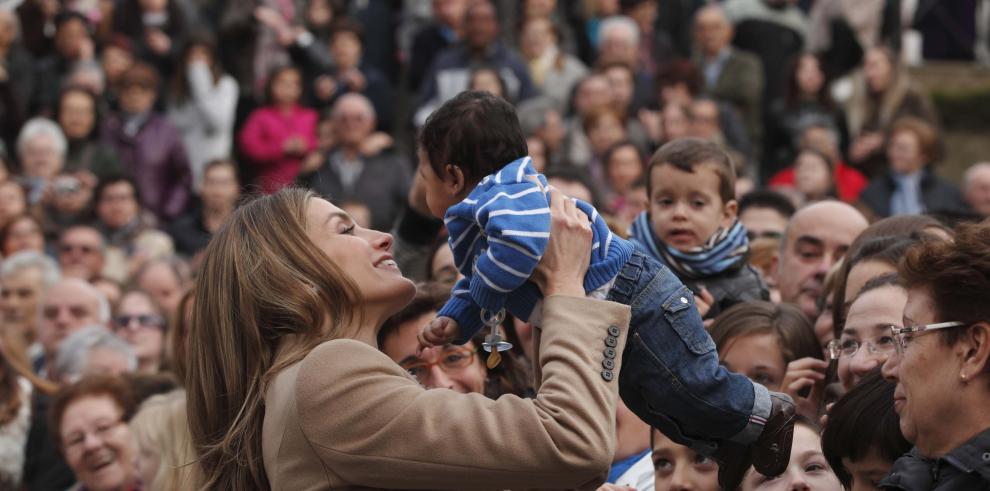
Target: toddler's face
[[685, 207], [437, 197]]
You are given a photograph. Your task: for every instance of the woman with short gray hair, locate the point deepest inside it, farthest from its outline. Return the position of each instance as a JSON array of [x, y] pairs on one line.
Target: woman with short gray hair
[[93, 350]]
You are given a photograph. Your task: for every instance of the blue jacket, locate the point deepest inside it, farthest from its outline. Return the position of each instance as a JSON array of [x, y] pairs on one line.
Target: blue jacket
[[498, 235]]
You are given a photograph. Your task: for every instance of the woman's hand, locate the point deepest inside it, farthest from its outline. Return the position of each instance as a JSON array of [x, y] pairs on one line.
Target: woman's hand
[[568, 253], [806, 373]]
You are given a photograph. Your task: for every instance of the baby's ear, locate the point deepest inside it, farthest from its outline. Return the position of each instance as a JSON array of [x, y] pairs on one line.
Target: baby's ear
[[454, 180]]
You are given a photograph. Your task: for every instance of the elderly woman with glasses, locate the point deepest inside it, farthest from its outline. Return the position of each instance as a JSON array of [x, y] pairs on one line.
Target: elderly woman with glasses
[[941, 365], [140, 321]]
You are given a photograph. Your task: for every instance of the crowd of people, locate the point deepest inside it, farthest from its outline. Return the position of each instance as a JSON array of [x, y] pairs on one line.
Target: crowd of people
[[191, 189]]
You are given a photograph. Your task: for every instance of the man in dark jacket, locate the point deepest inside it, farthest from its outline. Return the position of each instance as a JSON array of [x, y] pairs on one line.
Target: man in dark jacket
[[379, 181], [450, 73]]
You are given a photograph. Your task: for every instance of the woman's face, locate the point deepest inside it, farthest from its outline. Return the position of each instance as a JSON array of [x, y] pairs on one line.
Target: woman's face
[[868, 323], [137, 98], [141, 325], [624, 167], [487, 80], [677, 467], [443, 268], [904, 153], [927, 377], [25, 235], [536, 37], [77, 115], [757, 356], [98, 444], [809, 76], [364, 255], [115, 62], [453, 367], [675, 122], [12, 201], [319, 13], [286, 88], [811, 175], [877, 68], [346, 50], [807, 470], [604, 133]]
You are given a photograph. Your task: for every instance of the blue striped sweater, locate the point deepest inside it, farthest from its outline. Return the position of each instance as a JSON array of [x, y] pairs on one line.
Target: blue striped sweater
[[498, 235]]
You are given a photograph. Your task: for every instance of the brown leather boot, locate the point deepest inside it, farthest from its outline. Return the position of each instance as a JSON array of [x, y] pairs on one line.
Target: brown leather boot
[[772, 450]]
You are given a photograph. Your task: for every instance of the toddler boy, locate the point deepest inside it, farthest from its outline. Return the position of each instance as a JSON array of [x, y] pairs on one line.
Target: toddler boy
[[691, 227]]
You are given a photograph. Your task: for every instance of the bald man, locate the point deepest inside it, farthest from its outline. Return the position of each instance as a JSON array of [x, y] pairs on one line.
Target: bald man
[[817, 236], [379, 181], [976, 188], [68, 306]]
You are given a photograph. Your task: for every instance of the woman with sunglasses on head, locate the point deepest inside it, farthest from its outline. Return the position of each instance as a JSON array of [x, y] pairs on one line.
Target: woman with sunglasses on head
[[941, 365], [141, 322]]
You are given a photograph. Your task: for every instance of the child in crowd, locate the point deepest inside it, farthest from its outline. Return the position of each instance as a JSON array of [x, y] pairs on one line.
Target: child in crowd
[[677, 468], [496, 209], [691, 224], [278, 135]]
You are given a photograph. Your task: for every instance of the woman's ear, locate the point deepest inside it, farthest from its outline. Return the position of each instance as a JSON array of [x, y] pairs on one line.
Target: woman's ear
[[976, 350]]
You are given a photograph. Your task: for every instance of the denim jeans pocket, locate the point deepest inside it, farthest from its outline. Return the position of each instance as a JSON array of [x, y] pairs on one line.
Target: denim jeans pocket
[[683, 316]]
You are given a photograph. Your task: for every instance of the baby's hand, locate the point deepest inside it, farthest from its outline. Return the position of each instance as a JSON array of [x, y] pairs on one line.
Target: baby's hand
[[438, 332]]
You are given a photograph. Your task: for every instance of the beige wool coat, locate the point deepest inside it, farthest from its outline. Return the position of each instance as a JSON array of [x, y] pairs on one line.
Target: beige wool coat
[[348, 417]]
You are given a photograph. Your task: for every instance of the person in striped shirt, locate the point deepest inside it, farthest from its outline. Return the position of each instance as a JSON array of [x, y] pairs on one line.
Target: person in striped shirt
[[472, 160]]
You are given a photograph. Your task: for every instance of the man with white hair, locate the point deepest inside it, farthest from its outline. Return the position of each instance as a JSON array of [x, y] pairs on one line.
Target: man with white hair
[[976, 188], [68, 306], [41, 147], [379, 181], [730, 75], [24, 277], [93, 350]]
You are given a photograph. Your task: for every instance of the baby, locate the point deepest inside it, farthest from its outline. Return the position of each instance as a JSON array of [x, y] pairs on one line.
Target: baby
[[496, 209], [690, 225]]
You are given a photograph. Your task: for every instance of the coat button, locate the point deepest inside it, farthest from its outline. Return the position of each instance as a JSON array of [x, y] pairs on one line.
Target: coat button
[[611, 341], [986, 456], [608, 364], [613, 331], [609, 353], [607, 375]]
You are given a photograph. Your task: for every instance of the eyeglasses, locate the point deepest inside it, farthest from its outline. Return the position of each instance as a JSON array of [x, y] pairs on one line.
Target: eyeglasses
[[454, 358], [904, 335], [884, 345], [143, 320], [75, 440]]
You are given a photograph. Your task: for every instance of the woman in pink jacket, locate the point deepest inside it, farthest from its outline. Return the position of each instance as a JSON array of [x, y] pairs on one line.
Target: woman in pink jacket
[[278, 135]]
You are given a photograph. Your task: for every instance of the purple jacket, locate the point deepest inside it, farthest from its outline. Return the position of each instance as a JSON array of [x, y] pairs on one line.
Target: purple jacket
[[156, 159]]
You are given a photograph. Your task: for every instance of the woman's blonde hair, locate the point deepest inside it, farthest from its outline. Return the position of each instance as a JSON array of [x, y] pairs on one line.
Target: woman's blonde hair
[[161, 425], [261, 280]]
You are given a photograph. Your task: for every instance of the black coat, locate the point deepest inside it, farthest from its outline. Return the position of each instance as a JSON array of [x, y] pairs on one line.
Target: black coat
[[967, 468], [937, 195]]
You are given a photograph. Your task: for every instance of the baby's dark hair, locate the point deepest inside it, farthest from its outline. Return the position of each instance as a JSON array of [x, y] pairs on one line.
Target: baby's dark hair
[[476, 131], [688, 153]]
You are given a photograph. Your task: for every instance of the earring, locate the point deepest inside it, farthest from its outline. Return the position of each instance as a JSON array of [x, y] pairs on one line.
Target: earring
[[963, 376]]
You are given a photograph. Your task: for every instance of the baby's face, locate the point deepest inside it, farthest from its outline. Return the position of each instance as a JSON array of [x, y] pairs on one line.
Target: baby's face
[[438, 199], [685, 207]]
